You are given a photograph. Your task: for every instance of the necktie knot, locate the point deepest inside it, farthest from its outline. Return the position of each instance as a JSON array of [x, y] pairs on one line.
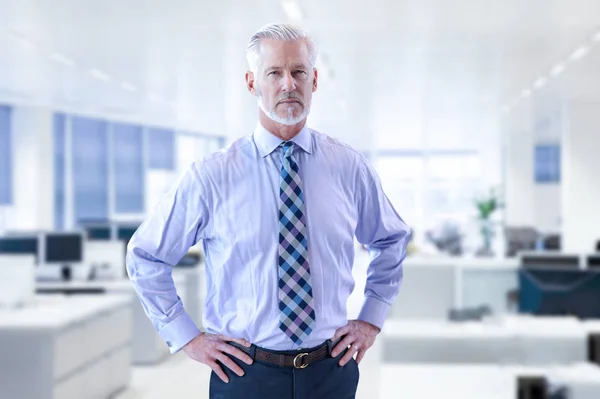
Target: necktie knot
[[288, 148]]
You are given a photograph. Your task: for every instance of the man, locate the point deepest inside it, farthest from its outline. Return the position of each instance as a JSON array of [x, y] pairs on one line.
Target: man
[[277, 212]]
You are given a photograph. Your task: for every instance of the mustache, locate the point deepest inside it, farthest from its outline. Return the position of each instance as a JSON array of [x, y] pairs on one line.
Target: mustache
[[291, 95]]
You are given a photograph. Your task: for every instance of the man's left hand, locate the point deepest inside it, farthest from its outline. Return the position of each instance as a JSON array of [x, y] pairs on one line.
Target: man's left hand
[[358, 335]]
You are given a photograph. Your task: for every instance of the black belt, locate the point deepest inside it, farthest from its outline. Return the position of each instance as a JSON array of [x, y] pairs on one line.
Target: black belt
[[300, 360]]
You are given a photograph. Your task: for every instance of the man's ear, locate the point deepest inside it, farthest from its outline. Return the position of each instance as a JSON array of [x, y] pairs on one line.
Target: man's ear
[[250, 82], [315, 79]]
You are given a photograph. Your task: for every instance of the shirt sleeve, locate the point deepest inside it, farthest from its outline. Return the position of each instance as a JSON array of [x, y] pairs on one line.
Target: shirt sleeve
[[177, 223], [386, 237]]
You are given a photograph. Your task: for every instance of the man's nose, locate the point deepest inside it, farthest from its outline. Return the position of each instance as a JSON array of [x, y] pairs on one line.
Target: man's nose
[[288, 84]]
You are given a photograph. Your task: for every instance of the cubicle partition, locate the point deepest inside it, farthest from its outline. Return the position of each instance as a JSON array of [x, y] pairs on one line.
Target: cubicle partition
[[433, 287]]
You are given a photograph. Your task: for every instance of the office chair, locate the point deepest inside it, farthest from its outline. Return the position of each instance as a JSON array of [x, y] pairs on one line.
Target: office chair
[[519, 239]]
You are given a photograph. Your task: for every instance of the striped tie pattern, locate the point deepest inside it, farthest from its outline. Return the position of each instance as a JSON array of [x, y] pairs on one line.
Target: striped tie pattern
[[297, 314]]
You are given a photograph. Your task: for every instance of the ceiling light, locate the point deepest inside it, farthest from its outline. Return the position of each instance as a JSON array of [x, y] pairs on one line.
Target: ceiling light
[[58, 57], [557, 70], [98, 74], [128, 86], [292, 10], [596, 37], [526, 93], [22, 38], [579, 53], [539, 83]]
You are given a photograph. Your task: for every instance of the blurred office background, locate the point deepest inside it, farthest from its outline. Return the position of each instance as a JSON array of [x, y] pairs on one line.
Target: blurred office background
[[482, 119]]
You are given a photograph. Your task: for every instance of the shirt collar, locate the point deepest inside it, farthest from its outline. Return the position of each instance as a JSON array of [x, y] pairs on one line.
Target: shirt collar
[[266, 142]]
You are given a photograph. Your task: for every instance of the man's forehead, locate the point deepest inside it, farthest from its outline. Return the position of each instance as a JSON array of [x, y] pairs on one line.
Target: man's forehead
[[285, 63]]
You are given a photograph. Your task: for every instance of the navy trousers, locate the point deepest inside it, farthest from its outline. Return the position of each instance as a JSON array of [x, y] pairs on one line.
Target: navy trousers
[[325, 379]]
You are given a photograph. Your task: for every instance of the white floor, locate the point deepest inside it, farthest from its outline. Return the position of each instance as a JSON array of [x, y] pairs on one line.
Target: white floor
[[177, 377]]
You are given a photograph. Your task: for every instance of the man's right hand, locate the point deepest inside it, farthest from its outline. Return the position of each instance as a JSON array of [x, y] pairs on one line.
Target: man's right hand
[[208, 348]]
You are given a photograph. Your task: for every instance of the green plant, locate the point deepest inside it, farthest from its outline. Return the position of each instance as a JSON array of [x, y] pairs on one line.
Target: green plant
[[487, 205]]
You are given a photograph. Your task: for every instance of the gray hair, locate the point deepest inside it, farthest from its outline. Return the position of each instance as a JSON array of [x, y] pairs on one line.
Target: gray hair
[[283, 32]]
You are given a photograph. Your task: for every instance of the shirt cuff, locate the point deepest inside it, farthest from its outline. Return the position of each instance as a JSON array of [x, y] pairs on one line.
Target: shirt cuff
[[179, 332], [374, 311]]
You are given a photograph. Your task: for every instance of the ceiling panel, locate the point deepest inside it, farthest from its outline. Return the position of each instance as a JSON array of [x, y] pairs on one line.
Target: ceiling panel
[[181, 62]]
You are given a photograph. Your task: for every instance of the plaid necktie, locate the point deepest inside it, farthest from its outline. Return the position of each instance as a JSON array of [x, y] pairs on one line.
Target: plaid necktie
[[295, 292]]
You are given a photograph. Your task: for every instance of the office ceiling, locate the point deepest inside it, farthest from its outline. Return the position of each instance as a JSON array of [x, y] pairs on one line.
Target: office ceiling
[[392, 70]]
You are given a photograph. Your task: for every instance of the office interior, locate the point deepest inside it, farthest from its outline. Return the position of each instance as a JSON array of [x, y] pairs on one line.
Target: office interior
[[480, 118]]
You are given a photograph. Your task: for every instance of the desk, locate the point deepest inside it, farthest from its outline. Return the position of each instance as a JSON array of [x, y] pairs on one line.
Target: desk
[[515, 340], [62, 347], [470, 381], [148, 347], [193, 277]]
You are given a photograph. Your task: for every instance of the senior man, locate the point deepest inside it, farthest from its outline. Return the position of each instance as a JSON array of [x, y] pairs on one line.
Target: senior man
[[278, 212]]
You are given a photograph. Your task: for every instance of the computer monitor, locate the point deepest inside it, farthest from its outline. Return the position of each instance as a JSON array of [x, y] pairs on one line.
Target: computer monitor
[[102, 232], [548, 259], [555, 292], [593, 262], [125, 232], [64, 250], [20, 245]]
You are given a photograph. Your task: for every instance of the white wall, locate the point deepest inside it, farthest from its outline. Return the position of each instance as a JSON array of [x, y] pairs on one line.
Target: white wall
[[547, 129], [530, 203], [547, 208], [519, 189], [33, 170], [580, 188]]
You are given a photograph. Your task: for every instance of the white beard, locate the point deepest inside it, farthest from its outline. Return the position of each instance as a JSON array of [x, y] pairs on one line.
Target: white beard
[[289, 120]]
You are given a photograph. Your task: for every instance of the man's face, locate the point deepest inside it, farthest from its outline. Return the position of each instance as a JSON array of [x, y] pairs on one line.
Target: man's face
[[284, 81]]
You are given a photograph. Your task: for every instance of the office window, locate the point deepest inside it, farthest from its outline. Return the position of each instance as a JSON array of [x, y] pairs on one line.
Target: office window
[[201, 147], [5, 156], [59, 171], [128, 168], [161, 149], [90, 169], [213, 145], [402, 179], [186, 152], [547, 163], [429, 189]]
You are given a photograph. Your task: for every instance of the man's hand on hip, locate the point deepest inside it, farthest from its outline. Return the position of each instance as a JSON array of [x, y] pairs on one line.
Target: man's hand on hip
[[208, 348], [358, 335]]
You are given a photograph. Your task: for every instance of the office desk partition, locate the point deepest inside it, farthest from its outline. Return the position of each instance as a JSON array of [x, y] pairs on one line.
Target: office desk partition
[[432, 286]]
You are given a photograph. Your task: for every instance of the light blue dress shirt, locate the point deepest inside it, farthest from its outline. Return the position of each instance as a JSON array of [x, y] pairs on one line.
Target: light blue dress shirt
[[230, 201]]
